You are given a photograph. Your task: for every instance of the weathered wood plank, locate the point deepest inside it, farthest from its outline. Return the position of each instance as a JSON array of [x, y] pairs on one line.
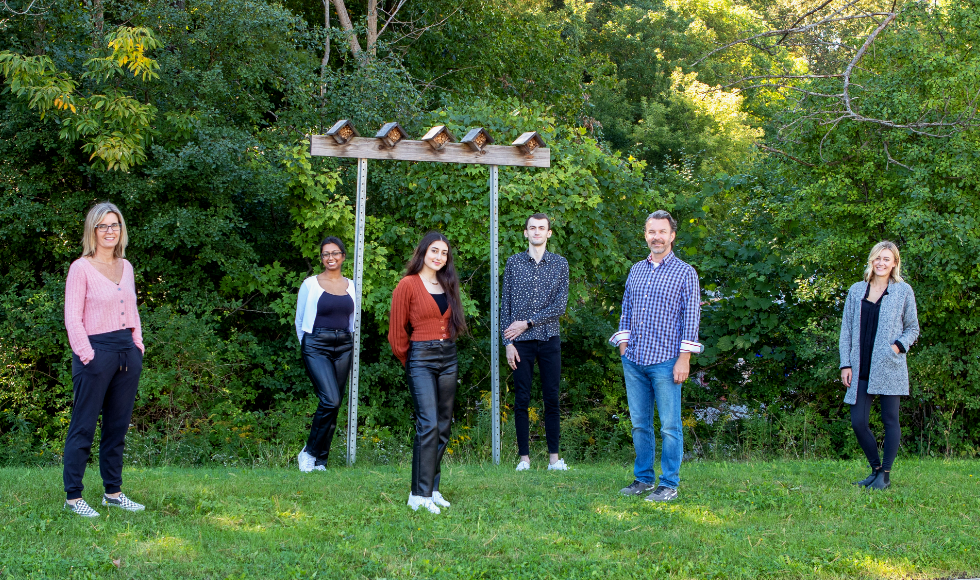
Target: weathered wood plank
[[368, 148]]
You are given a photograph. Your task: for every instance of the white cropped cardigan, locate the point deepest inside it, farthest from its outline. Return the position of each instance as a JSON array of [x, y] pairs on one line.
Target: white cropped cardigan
[[309, 295]]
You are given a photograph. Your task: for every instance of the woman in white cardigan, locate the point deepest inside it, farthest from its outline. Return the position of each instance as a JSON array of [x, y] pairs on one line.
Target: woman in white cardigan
[[879, 326], [325, 311]]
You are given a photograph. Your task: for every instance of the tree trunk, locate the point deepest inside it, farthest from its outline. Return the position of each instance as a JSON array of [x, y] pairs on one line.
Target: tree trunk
[[372, 27], [39, 35], [98, 23], [348, 26], [326, 48]]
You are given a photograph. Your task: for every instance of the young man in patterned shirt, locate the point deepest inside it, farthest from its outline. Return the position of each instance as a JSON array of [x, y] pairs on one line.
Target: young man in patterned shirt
[[658, 331], [534, 297]]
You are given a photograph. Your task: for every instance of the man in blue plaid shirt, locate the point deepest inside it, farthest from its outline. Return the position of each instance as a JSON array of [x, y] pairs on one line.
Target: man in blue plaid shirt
[[658, 331]]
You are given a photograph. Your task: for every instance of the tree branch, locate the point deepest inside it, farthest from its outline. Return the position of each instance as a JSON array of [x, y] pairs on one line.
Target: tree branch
[[860, 54], [783, 153], [391, 17]]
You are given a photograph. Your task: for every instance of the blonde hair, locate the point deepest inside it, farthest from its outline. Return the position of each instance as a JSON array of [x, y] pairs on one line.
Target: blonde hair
[[869, 270], [96, 215]]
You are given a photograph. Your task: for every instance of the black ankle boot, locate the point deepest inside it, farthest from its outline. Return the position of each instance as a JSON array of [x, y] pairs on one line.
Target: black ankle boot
[[867, 480], [881, 481]]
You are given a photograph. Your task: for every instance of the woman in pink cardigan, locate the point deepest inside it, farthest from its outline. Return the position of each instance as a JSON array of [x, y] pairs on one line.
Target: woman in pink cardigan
[[107, 345]]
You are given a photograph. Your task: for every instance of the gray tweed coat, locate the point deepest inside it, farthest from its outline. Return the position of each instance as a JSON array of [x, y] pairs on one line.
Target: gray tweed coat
[[898, 320]]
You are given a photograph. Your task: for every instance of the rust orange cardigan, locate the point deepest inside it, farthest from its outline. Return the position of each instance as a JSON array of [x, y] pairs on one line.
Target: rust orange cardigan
[[414, 317]]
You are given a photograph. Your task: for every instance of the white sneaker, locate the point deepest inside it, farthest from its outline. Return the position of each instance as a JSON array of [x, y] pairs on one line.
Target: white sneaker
[[319, 468], [417, 501], [523, 466], [558, 466], [81, 508], [306, 461], [439, 500]]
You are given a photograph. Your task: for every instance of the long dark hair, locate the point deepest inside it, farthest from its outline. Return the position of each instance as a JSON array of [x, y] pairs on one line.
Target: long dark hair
[[446, 275]]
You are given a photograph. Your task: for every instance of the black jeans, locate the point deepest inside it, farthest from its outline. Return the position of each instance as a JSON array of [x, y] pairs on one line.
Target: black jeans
[[860, 416], [327, 357], [431, 373], [107, 385], [548, 355]]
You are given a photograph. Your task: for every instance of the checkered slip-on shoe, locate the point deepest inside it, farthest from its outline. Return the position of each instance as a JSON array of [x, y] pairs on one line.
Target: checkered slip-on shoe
[[122, 502], [81, 508]]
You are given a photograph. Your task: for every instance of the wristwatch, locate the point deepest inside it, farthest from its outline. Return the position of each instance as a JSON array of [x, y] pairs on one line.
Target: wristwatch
[[530, 324]]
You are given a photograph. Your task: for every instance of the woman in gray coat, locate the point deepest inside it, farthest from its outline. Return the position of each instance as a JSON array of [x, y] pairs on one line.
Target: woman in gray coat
[[880, 324]]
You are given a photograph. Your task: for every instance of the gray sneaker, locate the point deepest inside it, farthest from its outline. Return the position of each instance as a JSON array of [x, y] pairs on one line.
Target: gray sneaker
[[122, 502], [636, 488], [81, 508], [663, 493]]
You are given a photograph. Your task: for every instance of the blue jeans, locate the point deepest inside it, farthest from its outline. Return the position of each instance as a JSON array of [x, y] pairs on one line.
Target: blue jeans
[[647, 386]]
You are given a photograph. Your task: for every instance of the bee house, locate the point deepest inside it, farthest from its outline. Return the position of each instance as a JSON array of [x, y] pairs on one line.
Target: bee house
[[438, 136], [477, 139], [343, 131], [391, 133], [529, 142]]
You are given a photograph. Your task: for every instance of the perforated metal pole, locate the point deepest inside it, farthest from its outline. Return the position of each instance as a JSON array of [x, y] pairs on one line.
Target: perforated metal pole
[[358, 278], [494, 316]]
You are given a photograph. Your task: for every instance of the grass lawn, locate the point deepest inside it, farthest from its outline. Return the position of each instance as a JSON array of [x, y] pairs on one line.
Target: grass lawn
[[784, 519]]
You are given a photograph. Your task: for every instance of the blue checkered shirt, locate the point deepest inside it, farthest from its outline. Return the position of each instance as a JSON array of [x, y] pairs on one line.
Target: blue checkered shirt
[[661, 311]]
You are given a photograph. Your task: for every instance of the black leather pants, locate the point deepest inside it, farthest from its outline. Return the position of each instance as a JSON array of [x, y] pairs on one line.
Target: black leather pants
[[431, 373], [327, 358]]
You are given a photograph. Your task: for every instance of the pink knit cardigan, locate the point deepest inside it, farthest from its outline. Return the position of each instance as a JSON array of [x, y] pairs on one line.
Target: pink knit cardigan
[[95, 304]]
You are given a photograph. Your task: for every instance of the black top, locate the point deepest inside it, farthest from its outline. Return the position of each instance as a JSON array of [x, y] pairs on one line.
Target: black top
[[334, 311], [442, 301], [869, 330], [536, 292]]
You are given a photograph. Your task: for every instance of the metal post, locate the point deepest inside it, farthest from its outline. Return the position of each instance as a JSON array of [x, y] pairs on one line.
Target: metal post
[[358, 278], [494, 316]]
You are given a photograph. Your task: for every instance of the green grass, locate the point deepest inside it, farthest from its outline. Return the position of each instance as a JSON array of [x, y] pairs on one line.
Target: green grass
[[784, 519]]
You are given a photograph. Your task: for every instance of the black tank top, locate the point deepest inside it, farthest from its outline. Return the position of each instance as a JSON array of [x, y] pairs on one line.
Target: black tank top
[[442, 301], [334, 311]]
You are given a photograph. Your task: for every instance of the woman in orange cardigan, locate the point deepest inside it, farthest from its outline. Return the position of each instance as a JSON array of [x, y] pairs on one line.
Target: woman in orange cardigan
[[426, 318]]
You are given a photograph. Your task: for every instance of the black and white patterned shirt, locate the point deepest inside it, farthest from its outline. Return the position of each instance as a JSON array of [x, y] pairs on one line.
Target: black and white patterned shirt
[[536, 292]]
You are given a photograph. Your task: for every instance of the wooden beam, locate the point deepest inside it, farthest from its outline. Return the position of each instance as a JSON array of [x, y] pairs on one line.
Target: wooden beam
[[408, 150]]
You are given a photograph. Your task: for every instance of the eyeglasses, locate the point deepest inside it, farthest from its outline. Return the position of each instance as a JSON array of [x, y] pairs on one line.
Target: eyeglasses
[[103, 228], [333, 255]]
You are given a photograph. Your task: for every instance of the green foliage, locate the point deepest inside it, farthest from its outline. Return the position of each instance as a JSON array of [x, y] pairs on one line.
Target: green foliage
[[201, 111], [114, 125], [652, 94]]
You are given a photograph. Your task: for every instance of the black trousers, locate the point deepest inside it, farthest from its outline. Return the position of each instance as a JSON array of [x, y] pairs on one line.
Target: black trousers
[[106, 385], [548, 355], [860, 422], [327, 357], [431, 372]]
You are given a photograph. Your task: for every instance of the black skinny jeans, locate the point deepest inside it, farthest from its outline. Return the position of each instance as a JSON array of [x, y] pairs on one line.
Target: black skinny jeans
[[548, 355], [106, 385], [327, 357], [431, 372], [860, 416]]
